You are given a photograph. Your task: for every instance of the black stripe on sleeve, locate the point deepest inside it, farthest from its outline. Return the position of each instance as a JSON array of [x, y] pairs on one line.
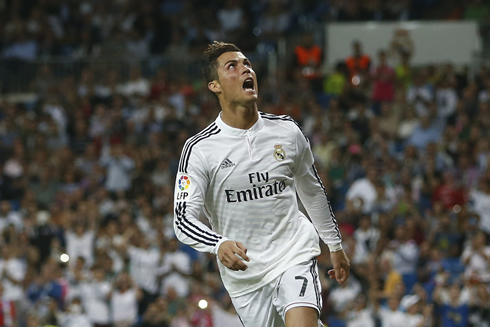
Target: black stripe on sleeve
[[284, 118], [332, 215], [186, 162], [196, 138], [191, 230]]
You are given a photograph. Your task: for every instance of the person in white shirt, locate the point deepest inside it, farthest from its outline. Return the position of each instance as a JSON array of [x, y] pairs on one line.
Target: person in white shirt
[[364, 189], [342, 296], [95, 294], [12, 272], [359, 315], [446, 100], [391, 316], [481, 204], [406, 253], [144, 261], [9, 216], [366, 237], [124, 302], [420, 95], [80, 243], [74, 315], [176, 266], [413, 318], [119, 167], [476, 258], [245, 170]]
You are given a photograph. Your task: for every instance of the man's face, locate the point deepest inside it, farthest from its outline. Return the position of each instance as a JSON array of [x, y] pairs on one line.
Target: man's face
[[237, 81]]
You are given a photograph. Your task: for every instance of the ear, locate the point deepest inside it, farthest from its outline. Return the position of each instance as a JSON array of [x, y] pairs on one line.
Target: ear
[[214, 86]]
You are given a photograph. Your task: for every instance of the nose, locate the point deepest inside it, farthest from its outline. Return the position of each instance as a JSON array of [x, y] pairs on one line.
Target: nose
[[247, 70]]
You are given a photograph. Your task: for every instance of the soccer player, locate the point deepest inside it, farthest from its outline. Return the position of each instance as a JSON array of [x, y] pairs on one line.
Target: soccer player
[[244, 171]]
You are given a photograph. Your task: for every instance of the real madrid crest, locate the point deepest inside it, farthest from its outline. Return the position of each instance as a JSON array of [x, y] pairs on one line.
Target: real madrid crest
[[279, 153]]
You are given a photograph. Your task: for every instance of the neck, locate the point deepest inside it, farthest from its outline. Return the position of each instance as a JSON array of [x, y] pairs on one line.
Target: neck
[[239, 116]]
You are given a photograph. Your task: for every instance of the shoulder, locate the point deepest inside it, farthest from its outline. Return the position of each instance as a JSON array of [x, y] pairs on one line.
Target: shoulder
[[201, 139], [283, 121], [203, 135]]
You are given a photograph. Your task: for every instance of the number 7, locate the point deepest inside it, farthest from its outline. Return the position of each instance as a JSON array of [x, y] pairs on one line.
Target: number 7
[[303, 288]]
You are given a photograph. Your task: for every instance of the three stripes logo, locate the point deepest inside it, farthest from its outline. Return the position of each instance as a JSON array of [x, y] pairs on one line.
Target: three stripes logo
[[227, 163]]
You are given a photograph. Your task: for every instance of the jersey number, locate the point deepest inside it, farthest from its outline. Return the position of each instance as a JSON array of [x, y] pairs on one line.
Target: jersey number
[[303, 288]]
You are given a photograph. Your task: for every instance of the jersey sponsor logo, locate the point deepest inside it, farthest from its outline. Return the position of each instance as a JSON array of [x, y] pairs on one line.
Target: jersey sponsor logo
[[279, 153], [255, 192], [184, 183], [227, 163]]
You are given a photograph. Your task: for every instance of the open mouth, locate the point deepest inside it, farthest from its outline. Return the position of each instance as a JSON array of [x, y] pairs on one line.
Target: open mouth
[[248, 84]]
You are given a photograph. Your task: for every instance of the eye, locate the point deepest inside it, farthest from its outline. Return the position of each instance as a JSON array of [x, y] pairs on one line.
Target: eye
[[231, 66], [247, 64]]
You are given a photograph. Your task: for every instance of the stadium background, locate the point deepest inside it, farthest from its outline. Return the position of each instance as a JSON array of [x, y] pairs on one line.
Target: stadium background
[[97, 98]]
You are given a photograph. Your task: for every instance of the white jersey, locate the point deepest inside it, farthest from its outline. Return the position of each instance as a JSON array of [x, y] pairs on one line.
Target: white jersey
[[247, 182]]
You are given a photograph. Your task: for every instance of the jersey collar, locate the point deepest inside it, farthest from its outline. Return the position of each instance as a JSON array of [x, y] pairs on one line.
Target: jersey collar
[[238, 131]]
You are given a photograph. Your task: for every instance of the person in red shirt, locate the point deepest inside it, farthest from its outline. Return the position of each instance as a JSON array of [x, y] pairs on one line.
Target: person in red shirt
[[449, 193], [383, 77], [7, 311]]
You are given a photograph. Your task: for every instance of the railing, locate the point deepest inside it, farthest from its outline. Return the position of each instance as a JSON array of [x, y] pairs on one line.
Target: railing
[[19, 76]]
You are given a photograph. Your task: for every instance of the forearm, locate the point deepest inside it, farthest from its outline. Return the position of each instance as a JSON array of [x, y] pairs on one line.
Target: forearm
[[315, 200], [189, 230]]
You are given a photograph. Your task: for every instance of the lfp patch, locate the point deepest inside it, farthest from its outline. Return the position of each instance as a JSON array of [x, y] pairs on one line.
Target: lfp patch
[[184, 183]]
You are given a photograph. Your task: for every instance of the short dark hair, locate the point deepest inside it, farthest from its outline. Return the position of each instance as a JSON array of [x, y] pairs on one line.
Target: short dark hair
[[212, 53]]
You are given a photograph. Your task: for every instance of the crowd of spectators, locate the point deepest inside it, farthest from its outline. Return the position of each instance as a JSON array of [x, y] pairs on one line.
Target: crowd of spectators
[[87, 178], [87, 195], [31, 29]]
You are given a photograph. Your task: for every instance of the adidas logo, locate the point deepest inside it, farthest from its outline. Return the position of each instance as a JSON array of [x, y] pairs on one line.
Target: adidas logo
[[227, 163]]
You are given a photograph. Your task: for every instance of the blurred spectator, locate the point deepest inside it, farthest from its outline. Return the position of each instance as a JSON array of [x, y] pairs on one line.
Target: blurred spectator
[[79, 243], [419, 94], [230, 16], [119, 167], [137, 85], [274, 21], [383, 78], [446, 100], [453, 303], [9, 216], [406, 254], [401, 45], [360, 314], [176, 267], [308, 58], [12, 273], [335, 82], [124, 301], [476, 258], [45, 285], [363, 191], [366, 237], [74, 315], [358, 64], [144, 260], [481, 202], [426, 131], [8, 313], [392, 315], [94, 296], [344, 294]]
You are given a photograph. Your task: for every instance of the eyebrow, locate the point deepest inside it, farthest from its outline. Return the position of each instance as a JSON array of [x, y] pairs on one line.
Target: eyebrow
[[236, 61]]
